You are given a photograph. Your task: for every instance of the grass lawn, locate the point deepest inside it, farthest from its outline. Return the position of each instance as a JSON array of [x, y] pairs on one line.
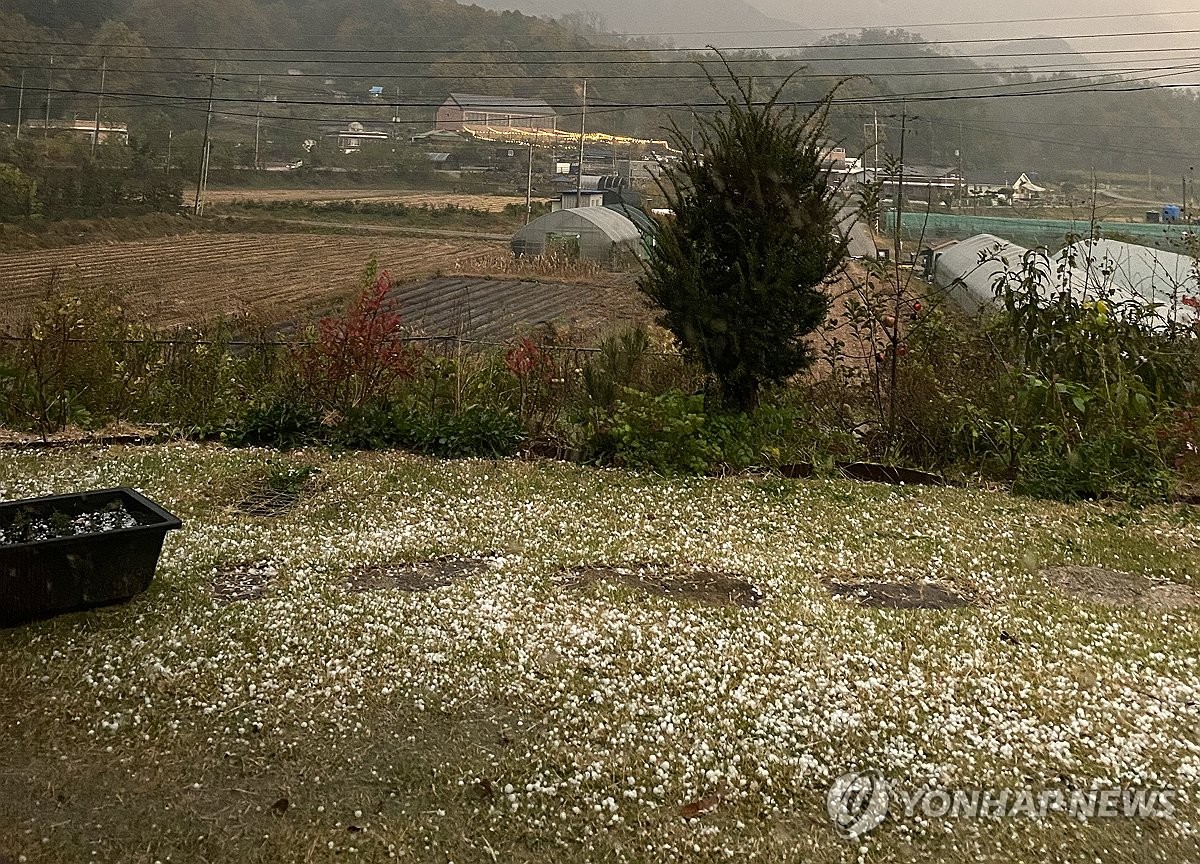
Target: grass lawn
[[313, 706]]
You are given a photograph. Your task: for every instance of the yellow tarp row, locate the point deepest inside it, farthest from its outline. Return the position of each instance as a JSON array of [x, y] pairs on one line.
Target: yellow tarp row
[[518, 135]]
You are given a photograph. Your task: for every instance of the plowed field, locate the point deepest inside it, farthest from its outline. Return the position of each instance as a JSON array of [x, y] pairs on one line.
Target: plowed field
[[179, 280]]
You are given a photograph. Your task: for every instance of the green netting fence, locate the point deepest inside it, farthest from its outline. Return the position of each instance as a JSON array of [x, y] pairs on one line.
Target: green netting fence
[[1051, 233]]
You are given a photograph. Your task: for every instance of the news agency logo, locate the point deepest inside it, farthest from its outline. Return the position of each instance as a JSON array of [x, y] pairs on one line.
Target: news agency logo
[[858, 803]]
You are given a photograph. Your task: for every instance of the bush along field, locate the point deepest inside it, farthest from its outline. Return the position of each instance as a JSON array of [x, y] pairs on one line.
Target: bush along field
[[1064, 399], [384, 655]]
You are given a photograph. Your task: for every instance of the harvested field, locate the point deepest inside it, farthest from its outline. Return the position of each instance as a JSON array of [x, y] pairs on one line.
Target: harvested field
[[378, 196], [496, 309], [181, 280]]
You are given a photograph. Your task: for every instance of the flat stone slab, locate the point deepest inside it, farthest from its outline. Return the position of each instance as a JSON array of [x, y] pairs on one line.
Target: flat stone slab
[[415, 576], [1117, 588], [900, 595], [711, 587]]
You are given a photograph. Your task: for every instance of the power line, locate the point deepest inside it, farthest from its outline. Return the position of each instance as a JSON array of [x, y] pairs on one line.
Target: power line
[[1072, 86], [576, 64], [824, 76], [52, 43], [1046, 69]]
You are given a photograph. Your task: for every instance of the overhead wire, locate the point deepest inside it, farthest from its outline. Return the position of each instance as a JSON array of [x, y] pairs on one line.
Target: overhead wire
[[1083, 66], [261, 49], [1070, 85]]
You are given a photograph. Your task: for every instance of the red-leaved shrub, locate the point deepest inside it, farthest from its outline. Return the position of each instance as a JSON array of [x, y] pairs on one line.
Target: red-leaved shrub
[[360, 356]]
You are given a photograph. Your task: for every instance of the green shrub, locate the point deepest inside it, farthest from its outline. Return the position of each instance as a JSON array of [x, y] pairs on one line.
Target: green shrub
[[672, 434], [475, 431], [279, 421], [372, 427], [78, 358], [197, 383], [1115, 464], [786, 430]]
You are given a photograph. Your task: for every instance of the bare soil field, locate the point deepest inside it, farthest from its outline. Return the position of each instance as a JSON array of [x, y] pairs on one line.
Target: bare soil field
[[497, 309], [415, 198], [180, 280]]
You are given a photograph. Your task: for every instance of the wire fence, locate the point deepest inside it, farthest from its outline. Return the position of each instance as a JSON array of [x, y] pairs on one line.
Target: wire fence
[[245, 344]]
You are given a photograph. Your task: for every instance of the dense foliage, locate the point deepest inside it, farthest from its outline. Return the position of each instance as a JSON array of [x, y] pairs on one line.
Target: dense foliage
[[59, 179], [738, 271]]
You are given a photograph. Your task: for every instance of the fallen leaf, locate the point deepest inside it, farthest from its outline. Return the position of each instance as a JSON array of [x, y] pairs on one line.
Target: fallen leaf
[[699, 807]]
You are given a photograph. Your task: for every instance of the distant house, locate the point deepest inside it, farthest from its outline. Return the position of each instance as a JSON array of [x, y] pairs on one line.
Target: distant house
[[937, 177], [640, 170], [1024, 189], [118, 132], [586, 198], [351, 139], [1021, 189], [989, 186], [443, 161], [833, 155], [461, 110]]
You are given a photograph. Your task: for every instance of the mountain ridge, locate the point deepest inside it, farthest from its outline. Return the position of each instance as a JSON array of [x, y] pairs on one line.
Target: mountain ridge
[[683, 22]]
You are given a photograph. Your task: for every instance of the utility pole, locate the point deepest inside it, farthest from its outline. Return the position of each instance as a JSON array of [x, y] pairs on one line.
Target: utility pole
[[962, 177], [529, 186], [49, 87], [99, 104], [258, 124], [899, 296], [582, 132], [876, 141], [899, 203], [170, 141], [202, 180], [21, 105]]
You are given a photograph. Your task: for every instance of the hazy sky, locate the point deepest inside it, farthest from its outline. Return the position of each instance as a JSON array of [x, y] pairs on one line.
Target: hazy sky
[[860, 13]]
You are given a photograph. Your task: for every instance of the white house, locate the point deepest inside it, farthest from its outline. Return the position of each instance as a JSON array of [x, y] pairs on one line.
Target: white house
[[351, 139]]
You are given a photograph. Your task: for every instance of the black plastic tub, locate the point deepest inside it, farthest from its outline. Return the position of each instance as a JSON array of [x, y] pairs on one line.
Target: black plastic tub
[[44, 577]]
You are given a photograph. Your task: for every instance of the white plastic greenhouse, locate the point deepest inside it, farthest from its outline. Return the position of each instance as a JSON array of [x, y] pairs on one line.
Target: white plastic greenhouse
[[968, 270], [595, 233], [1139, 273]]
